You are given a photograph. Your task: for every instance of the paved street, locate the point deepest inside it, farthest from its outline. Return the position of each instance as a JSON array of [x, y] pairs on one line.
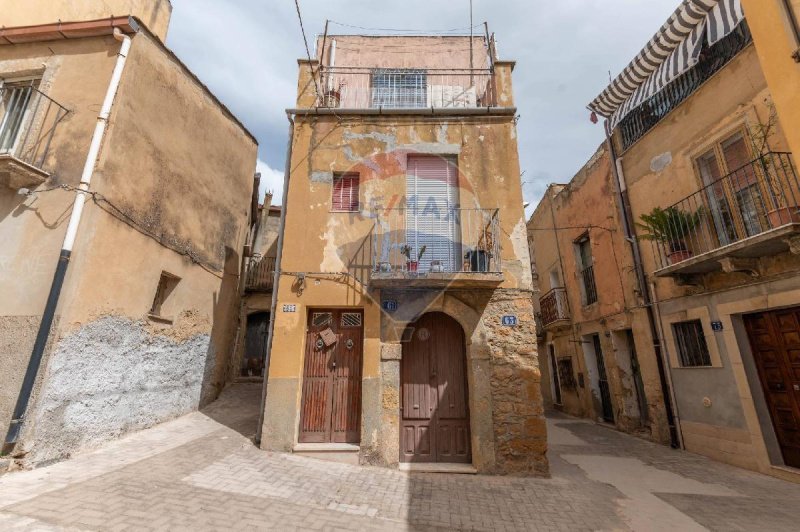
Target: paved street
[[201, 472]]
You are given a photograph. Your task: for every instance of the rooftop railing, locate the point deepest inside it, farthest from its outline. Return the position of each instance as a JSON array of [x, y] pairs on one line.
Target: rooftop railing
[[416, 242], [758, 197], [260, 274], [405, 88], [647, 115], [28, 122]]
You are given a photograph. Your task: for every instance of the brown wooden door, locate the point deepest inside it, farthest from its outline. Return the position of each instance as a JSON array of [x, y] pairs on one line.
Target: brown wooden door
[[775, 341], [435, 417], [331, 403]]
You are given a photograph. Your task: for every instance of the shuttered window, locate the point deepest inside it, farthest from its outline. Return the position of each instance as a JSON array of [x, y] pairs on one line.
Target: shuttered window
[[691, 342], [345, 192], [432, 217]]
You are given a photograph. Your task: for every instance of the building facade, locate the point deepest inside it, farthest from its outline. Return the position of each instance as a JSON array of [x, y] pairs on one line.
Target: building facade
[[143, 292], [404, 327], [704, 160], [595, 343]]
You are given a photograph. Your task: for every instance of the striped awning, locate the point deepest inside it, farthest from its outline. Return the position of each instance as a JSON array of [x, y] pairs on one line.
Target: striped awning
[[671, 52]]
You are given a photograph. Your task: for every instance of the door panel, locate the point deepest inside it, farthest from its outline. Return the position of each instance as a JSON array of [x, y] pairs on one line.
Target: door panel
[[435, 416], [331, 403], [775, 342]]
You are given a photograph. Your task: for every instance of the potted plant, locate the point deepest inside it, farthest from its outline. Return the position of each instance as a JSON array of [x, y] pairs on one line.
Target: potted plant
[[670, 226], [412, 265]]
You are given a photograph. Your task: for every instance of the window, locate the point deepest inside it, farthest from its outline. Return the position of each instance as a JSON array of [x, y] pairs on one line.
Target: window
[[166, 284], [15, 99], [691, 342], [583, 248], [345, 193], [351, 319], [566, 374], [399, 88]]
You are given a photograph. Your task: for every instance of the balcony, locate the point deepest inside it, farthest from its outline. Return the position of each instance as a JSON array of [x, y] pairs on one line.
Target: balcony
[[642, 119], [731, 222], [406, 88], [28, 122], [555, 308], [454, 248], [260, 274]]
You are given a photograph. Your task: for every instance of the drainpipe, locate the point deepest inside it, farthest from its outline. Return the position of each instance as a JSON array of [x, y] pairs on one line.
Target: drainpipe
[[627, 217], [46, 322], [276, 277]]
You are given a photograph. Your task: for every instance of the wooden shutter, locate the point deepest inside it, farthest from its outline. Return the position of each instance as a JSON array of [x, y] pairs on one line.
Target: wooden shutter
[[345, 192], [432, 218]]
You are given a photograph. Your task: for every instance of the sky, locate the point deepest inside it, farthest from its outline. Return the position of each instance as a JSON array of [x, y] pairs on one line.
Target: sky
[[246, 52]]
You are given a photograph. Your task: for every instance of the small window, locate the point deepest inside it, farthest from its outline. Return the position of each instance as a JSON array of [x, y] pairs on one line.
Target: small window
[[321, 319], [16, 99], [691, 342], [399, 88], [166, 284], [345, 193], [351, 319], [583, 251]]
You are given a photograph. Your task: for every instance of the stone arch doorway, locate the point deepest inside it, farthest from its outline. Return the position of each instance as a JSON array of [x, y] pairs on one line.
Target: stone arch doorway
[[434, 408]]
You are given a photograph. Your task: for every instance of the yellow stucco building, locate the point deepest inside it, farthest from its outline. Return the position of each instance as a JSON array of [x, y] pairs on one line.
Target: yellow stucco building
[[403, 328]]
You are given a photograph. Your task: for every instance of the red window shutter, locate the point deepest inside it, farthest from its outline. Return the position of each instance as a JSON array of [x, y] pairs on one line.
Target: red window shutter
[[345, 192]]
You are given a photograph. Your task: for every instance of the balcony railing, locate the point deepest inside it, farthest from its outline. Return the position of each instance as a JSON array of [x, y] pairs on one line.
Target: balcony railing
[[760, 196], [260, 274], [28, 122], [405, 88], [554, 306], [417, 243], [712, 59]]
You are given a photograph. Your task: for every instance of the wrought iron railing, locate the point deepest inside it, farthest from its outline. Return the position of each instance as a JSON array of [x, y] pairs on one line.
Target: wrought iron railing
[[554, 305], [418, 241], [712, 59], [405, 88], [759, 196], [260, 274], [28, 122]]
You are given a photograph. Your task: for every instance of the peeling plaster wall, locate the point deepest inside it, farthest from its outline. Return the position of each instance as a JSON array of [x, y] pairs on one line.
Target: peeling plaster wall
[[113, 376]]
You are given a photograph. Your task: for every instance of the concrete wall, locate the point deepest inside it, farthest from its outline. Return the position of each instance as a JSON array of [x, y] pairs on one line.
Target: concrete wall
[[169, 145], [154, 13], [588, 205]]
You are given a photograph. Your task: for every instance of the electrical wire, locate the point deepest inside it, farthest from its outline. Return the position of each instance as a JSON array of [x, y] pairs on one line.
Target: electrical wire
[[406, 30], [308, 51]]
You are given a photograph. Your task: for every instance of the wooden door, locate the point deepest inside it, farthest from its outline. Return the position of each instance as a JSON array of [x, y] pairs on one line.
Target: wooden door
[[775, 342], [331, 403], [602, 381], [434, 412]]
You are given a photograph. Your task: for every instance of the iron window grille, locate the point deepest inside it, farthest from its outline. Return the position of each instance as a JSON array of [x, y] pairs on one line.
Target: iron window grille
[[399, 88], [691, 342]]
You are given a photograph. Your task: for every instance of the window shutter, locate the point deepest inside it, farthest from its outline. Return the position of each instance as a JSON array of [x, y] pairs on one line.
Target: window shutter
[[345, 192]]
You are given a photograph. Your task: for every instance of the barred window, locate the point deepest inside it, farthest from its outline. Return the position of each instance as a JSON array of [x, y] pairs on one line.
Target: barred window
[[691, 342], [399, 88]]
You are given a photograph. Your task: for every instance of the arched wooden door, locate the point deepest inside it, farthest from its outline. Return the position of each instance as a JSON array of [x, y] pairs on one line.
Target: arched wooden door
[[434, 409]]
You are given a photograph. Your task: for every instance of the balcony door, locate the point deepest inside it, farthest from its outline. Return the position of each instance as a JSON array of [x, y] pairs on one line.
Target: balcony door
[[733, 192], [432, 216]]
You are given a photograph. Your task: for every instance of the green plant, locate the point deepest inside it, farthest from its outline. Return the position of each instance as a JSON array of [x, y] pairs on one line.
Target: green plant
[[421, 252], [406, 250], [669, 226]]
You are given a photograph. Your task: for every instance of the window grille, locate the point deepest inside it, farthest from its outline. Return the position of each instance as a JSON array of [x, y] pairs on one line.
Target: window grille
[[691, 342]]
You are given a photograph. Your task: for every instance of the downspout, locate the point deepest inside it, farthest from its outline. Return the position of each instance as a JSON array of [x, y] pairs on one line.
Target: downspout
[[18, 418], [276, 277], [627, 217]]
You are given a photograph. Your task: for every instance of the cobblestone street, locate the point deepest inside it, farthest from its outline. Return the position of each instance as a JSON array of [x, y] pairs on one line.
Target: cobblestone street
[[201, 472]]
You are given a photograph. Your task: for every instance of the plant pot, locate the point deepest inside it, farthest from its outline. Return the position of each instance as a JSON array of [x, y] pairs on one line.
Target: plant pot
[[332, 98], [384, 267], [782, 216], [679, 256], [436, 266], [412, 265]]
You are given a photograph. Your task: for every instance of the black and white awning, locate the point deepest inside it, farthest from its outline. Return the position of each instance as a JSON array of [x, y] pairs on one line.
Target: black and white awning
[[673, 50]]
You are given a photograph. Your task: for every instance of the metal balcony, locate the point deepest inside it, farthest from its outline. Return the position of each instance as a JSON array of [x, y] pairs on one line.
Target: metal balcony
[[554, 307], [749, 213], [260, 274], [449, 248], [405, 88], [28, 123]]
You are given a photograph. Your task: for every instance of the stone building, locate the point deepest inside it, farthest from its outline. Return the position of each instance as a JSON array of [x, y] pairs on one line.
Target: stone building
[[404, 328], [598, 357], [125, 201], [702, 148]]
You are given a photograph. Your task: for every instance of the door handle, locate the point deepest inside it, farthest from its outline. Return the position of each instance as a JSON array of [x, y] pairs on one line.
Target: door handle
[[796, 387]]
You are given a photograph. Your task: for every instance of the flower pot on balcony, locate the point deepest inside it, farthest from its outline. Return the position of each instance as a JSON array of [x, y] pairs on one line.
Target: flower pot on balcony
[[384, 267], [679, 255], [436, 266], [412, 266], [782, 216]]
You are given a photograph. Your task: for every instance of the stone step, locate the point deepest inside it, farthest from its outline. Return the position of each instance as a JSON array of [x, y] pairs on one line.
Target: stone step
[[344, 453], [429, 467]]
